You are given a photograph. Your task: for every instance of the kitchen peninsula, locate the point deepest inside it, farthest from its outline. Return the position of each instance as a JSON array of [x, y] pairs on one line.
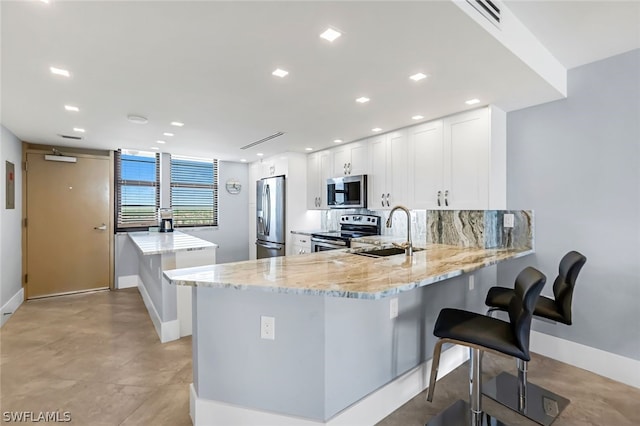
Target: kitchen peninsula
[[335, 353], [169, 307]]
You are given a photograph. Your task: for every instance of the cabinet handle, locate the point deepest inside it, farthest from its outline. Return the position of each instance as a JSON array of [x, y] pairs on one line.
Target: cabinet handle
[[303, 251], [349, 167], [446, 198], [388, 195], [382, 200], [344, 167], [303, 241], [438, 198]]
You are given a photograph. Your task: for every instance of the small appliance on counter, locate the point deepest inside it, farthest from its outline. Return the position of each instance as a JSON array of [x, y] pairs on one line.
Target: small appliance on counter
[[166, 220], [351, 226]]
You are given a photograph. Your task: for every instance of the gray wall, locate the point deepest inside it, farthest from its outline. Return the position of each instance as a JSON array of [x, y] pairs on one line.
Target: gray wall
[[576, 163], [10, 220]]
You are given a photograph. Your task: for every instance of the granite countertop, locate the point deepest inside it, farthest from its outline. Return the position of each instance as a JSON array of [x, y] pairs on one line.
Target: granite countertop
[[381, 240], [149, 243], [340, 273]]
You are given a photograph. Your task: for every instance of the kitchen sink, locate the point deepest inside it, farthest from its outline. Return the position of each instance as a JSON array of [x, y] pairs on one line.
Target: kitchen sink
[[384, 252]]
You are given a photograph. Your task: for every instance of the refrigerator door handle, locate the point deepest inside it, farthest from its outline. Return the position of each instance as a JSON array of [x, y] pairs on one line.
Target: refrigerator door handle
[[269, 246], [268, 193]]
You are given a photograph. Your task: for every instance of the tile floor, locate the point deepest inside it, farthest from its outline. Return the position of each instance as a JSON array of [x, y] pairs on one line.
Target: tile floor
[[97, 356]]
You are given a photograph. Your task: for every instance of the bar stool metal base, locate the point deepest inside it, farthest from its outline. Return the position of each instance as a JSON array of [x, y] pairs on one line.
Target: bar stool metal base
[[459, 414], [541, 406]]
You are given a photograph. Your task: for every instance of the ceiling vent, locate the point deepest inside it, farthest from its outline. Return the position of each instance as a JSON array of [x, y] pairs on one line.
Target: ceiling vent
[[75, 138], [263, 140], [489, 9]]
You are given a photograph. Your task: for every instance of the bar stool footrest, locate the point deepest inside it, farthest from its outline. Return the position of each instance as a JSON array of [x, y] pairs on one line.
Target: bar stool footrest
[[459, 414], [542, 406]]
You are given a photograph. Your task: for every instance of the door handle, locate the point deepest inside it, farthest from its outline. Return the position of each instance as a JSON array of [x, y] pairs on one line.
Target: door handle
[[102, 227], [269, 246], [439, 195]]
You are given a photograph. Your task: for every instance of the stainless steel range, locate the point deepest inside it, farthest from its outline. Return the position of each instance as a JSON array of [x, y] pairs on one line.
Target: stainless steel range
[[351, 226]]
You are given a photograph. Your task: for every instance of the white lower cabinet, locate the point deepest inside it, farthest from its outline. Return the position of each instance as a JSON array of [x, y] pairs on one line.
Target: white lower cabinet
[[300, 244]]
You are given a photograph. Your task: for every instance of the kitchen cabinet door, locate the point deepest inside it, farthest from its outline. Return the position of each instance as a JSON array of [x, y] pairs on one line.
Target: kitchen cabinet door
[[318, 171], [426, 165], [466, 153], [387, 184], [350, 159], [377, 176]]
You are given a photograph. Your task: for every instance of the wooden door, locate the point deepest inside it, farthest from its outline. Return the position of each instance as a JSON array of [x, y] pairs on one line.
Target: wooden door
[[67, 233]]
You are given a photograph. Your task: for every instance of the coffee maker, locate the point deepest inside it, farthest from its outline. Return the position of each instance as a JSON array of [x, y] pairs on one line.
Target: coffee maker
[[166, 220]]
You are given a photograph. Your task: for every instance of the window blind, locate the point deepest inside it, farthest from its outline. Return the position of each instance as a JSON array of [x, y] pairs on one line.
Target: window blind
[[194, 191], [137, 189]]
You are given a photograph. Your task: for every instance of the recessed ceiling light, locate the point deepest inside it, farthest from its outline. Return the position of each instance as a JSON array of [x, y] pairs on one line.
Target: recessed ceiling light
[[337, 141], [161, 142], [138, 119], [472, 101], [308, 149], [59, 71], [363, 100], [330, 34], [155, 148], [376, 129], [417, 77], [71, 108], [244, 160], [78, 129], [280, 73], [167, 134], [259, 154], [177, 124], [417, 117]]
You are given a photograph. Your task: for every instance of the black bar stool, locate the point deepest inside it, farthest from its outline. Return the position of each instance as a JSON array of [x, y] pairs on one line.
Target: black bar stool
[[530, 400], [483, 333]]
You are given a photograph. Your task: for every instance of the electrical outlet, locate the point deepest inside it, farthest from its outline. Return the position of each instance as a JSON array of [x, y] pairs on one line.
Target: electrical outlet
[[393, 308], [508, 220], [472, 282], [268, 328]]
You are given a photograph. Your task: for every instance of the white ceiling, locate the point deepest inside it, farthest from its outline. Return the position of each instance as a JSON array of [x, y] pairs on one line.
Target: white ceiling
[[209, 64]]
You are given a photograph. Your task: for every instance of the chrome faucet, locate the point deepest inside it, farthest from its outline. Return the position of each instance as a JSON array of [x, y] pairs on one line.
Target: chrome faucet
[[407, 246]]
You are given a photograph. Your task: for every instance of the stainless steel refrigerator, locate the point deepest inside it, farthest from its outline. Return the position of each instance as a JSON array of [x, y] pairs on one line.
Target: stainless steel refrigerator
[[270, 224]]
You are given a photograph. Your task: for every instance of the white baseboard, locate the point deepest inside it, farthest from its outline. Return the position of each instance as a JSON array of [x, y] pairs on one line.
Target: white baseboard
[[11, 306], [167, 330], [607, 364], [368, 411], [128, 281]]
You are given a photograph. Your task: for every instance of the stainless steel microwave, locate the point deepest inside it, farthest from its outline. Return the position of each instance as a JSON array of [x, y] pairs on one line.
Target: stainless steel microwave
[[347, 192]]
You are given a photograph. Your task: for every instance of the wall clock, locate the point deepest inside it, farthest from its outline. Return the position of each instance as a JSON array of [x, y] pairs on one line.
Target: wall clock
[[233, 186]]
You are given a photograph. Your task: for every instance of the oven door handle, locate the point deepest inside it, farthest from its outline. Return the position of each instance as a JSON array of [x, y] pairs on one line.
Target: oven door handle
[[332, 242]]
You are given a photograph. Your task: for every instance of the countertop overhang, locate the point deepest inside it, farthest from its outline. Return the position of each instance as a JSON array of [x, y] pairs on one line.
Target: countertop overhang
[[339, 273], [150, 243]]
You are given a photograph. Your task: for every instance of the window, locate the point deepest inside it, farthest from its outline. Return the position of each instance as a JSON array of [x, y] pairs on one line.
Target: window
[[194, 191], [137, 189]]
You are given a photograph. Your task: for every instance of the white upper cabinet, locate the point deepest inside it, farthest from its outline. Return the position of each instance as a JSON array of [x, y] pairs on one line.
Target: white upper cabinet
[[426, 165], [318, 171], [466, 154], [350, 159], [450, 161], [387, 175]]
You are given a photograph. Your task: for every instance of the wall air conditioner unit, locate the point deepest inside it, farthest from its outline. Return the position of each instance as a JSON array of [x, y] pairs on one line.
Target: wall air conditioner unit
[[61, 158]]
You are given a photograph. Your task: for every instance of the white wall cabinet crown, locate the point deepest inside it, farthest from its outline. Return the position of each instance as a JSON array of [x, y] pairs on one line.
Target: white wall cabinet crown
[[350, 159], [387, 177]]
